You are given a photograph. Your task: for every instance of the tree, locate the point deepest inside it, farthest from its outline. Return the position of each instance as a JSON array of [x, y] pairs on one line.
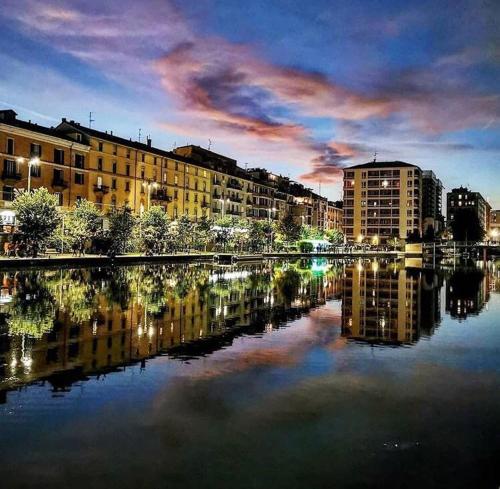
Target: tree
[[287, 229], [184, 233], [429, 234], [82, 224], [154, 224], [335, 236], [203, 235], [121, 225], [466, 226], [38, 218]]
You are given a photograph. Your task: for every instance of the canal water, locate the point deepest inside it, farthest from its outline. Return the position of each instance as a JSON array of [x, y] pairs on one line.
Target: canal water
[[304, 374]]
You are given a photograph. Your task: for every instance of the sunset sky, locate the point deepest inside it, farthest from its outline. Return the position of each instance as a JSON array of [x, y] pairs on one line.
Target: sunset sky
[[300, 87]]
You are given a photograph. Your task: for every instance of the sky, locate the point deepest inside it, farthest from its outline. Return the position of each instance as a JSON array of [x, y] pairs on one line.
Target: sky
[[301, 88]]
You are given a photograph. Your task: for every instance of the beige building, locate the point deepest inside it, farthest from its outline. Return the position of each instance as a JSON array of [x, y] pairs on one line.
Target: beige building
[[335, 216], [382, 200]]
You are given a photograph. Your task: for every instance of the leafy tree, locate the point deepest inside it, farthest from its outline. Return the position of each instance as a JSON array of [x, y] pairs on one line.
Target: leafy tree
[[82, 224], [466, 226], [335, 236], [184, 233], [38, 218], [203, 235], [154, 224], [430, 234], [121, 225], [287, 229], [393, 241]]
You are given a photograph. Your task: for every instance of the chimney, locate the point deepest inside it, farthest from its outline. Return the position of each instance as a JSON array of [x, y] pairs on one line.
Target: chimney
[[63, 119], [111, 132], [149, 142]]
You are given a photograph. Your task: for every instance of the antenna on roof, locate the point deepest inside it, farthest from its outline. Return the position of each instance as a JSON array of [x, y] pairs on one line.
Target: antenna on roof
[[140, 134], [375, 157], [175, 144], [209, 144], [90, 120]]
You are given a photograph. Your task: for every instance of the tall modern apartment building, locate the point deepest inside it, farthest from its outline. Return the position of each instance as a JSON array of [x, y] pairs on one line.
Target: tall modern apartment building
[[382, 200], [463, 198], [432, 202]]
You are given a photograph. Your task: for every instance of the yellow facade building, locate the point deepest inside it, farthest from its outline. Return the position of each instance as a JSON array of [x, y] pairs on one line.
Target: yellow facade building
[[382, 200]]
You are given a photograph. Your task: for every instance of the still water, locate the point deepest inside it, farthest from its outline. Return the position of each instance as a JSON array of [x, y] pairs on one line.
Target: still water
[[306, 374]]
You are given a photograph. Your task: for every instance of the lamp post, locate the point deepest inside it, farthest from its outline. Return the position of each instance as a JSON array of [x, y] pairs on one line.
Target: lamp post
[[35, 161], [149, 185]]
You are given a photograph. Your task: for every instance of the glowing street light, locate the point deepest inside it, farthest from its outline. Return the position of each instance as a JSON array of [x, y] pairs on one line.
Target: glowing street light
[[494, 233], [360, 238], [150, 186], [35, 161]]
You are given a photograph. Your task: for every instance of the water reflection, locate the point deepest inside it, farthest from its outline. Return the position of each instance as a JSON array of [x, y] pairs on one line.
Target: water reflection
[[65, 325], [76, 323]]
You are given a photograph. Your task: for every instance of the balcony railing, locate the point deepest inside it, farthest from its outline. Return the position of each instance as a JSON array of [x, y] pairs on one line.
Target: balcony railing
[[59, 183], [103, 189], [234, 184], [235, 198], [161, 196], [11, 175]]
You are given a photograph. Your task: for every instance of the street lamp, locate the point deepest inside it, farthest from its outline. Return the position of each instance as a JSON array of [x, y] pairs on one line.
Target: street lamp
[[494, 234], [150, 185], [35, 161]]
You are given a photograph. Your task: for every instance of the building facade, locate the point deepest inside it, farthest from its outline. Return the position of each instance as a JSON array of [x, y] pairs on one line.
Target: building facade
[[382, 200], [495, 224], [77, 162], [432, 202], [463, 198], [335, 216]]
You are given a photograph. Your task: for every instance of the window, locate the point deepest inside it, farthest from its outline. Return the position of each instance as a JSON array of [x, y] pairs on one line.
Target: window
[[176, 194], [8, 193], [59, 196], [127, 186], [35, 150], [114, 166], [154, 161], [78, 137], [127, 170], [143, 156], [101, 146], [9, 167], [58, 176], [187, 196], [79, 161], [113, 200], [99, 164], [128, 153], [143, 173], [176, 165], [115, 149], [176, 180], [10, 146], [99, 182], [36, 171], [113, 184], [59, 156], [79, 178]]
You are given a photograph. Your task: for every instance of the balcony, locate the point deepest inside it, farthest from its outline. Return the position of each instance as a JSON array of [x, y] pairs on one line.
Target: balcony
[[233, 213], [59, 183], [204, 204], [234, 184], [235, 198], [161, 196], [11, 175], [216, 195], [101, 189]]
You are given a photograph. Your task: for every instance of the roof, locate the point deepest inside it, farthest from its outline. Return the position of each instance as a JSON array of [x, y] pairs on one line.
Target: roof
[[9, 118], [382, 164]]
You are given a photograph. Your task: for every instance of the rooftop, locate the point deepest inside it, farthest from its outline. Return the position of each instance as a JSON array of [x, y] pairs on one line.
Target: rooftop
[[382, 164]]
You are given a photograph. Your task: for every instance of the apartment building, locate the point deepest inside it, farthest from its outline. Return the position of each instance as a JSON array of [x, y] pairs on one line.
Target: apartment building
[[381, 200], [53, 160], [232, 189], [335, 215], [495, 223], [125, 172], [432, 202], [463, 198]]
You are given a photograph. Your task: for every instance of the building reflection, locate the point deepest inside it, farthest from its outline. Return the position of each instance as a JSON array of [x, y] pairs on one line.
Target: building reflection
[[385, 303], [468, 291], [63, 326]]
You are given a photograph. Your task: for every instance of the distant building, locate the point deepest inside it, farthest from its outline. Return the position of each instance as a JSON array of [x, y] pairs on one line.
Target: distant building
[[495, 222], [381, 200], [463, 198], [432, 205], [335, 215]]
